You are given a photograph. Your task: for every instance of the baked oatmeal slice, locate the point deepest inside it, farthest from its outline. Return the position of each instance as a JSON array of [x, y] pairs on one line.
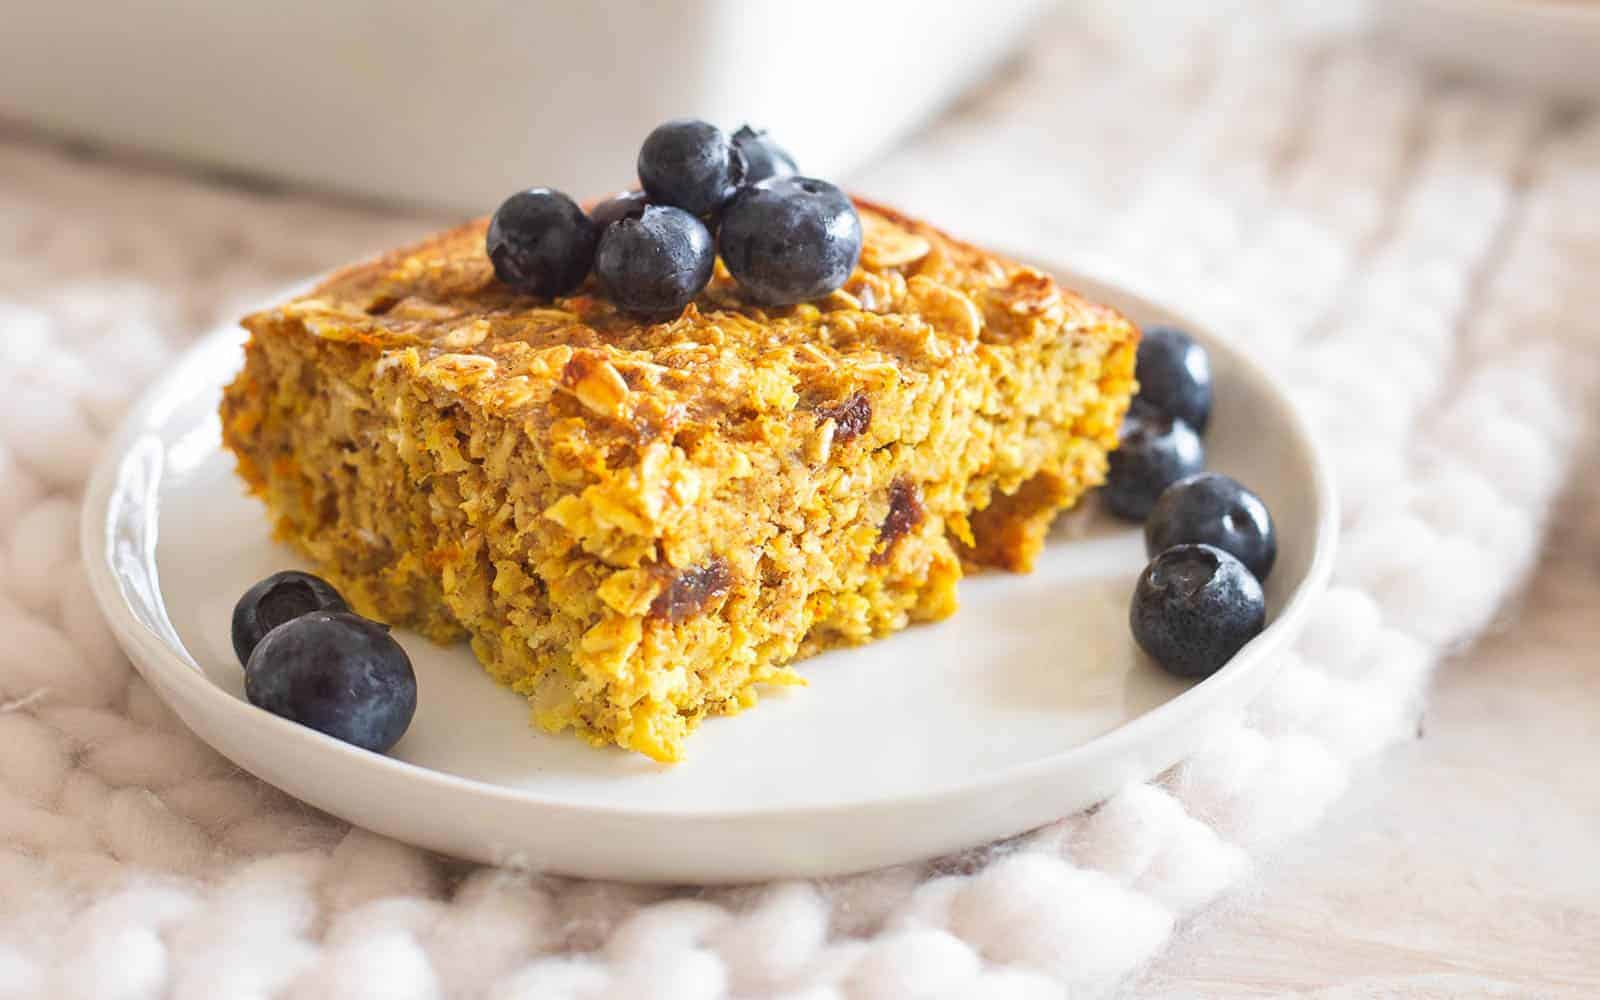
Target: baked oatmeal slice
[[638, 524]]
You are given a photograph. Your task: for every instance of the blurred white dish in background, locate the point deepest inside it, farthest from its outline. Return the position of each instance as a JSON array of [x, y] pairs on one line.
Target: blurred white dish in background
[[458, 105], [1549, 45]]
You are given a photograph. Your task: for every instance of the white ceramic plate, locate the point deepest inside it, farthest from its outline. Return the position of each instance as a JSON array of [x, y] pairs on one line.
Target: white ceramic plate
[[1547, 45], [1031, 702]]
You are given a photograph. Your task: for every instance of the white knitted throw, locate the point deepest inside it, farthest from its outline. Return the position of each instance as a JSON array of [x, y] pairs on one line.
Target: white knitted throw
[[1415, 256]]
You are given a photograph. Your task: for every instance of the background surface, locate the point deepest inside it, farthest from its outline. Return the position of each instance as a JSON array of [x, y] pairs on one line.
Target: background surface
[[1459, 864]]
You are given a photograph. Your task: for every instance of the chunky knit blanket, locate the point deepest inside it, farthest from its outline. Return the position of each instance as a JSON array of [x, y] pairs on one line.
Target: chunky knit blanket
[[1414, 255]]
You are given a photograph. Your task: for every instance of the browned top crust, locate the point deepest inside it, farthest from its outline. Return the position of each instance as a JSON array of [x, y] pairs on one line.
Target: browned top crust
[[917, 299]]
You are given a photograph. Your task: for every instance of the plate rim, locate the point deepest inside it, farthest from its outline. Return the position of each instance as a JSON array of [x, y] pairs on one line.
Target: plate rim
[[149, 652]]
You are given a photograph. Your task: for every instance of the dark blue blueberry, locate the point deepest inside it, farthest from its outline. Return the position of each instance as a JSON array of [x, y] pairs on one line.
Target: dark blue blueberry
[[275, 600], [763, 158], [541, 243], [339, 674], [790, 239], [1195, 606], [690, 164], [1156, 451], [626, 205], [1214, 509], [1174, 376], [655, 264]]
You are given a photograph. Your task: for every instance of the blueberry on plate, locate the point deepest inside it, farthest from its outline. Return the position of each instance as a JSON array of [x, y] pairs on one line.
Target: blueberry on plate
[[690, 164], [655, 264], [1174, 375], [1194, 607], [625, 205], [1156, 451], [763, 158], [541, 243], [790, 239], [275, 600], [337, 673], [1217, 510]]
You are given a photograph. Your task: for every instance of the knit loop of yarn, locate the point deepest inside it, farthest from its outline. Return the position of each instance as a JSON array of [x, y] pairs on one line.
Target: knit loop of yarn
[[1413, 260]]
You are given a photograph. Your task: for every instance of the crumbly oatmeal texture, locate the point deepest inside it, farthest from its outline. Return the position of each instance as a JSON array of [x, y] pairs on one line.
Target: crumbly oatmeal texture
[[639, 524]]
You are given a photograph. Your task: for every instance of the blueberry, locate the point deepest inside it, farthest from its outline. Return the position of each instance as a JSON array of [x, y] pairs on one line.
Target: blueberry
[[541, 243], [1156, 451], [1174, 375], [626, 205], [1214, 509], [337, 673], [657, 263], [1194, 607], [790, 239], [690, 164], [763, 158], [275, 600]]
